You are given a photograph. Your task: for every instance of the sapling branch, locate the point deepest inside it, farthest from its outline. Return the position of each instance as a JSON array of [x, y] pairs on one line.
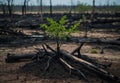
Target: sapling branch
[[77, 50]]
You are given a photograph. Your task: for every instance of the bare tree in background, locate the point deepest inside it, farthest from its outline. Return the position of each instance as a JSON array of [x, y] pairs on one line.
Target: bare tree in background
[[108, 5], [10, 6], [27, 6], [3, 6], [31, 7], [24, 7], [41, 8], [71, 7], [93, 11], [51, 8]]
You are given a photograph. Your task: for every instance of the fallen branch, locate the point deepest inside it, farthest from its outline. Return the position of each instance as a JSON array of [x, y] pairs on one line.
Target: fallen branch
[[77, 50], [73, 69]]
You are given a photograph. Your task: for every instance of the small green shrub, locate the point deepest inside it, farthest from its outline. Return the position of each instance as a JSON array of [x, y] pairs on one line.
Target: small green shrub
[[95, 51], [82, 7], [58, 31]]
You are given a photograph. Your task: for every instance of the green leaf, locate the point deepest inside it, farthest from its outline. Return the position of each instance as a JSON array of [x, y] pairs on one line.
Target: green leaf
[[57, 29], [63, 20]]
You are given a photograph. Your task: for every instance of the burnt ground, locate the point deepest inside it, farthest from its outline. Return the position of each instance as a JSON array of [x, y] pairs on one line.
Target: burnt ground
[[33, 72]]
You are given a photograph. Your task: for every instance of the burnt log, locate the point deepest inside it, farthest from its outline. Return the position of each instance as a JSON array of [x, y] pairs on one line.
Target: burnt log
[[17, 57], [96, 40], [102, 21], [22, 57], [11, 32]]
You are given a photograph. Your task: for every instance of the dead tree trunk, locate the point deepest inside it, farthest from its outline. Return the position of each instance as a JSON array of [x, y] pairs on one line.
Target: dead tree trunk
[[3, 8], [41, 10], [24, 7], [71, 7], [51, 8], [30, 56], [14, 58], [93, 11], [10, 7]]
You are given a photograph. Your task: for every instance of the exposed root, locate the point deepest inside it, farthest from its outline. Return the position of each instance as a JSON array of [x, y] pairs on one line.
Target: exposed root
[[49, 48], [48, 63], [44, 48]]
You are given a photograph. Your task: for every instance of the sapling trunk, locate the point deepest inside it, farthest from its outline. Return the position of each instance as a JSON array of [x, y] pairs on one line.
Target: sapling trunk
[[58, 47]]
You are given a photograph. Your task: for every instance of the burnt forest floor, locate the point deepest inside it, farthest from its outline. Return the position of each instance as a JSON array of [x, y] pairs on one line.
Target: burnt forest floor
[[33, 72]]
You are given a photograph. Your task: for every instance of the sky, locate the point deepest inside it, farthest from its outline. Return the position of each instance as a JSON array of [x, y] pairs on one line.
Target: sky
[[68, 2]]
